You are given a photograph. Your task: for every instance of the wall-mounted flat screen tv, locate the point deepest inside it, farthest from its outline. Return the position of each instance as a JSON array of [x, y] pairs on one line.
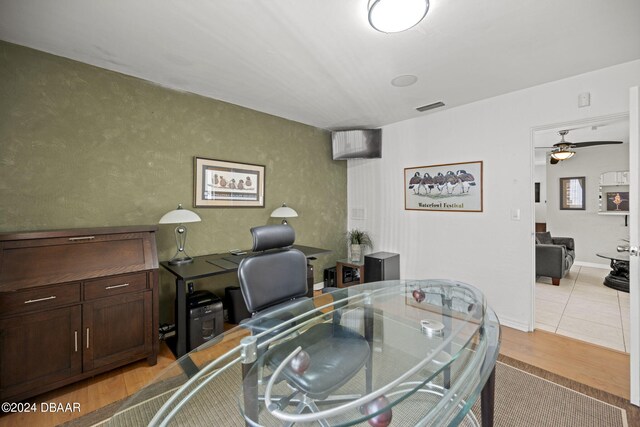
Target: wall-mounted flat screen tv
[[357, 144]]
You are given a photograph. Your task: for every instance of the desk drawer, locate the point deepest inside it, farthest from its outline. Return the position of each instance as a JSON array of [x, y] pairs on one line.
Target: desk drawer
[[40, 298], [115, 285]]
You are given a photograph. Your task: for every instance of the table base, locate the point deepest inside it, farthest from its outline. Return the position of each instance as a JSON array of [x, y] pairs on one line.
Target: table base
[[618, 279]]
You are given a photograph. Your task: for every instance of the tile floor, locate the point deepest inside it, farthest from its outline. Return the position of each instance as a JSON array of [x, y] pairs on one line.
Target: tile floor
[[583, 308]]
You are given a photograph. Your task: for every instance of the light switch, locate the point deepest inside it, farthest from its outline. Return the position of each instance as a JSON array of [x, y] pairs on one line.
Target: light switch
[[515, 214]]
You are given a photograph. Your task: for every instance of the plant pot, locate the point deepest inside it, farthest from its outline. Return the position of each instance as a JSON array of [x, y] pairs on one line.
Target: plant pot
[[356, 253]]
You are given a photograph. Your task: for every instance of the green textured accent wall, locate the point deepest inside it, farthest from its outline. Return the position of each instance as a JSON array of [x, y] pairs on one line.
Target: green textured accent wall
[[81, 146]]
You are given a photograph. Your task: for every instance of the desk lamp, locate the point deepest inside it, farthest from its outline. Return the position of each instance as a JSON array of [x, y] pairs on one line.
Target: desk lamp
[[180, 216], [284, 212]]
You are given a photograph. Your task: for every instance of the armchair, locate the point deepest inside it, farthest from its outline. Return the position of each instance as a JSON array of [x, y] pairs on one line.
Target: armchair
[[554, 256]]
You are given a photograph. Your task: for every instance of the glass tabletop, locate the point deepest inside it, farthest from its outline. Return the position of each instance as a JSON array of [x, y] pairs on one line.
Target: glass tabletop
[[414, 352], [616, 256]]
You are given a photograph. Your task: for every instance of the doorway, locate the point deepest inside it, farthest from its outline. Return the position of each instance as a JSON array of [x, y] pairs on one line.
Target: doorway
[[581, 307]]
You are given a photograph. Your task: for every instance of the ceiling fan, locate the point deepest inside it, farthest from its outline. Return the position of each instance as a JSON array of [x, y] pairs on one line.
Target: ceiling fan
[[563, 150]]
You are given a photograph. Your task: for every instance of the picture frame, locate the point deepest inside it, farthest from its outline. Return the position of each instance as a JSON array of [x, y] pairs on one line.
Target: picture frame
[[572, 193], [449, 187], [226, 184], [618, 201]]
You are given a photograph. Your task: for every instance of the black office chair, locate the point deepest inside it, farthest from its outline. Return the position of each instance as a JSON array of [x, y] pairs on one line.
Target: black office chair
[[274, 284]]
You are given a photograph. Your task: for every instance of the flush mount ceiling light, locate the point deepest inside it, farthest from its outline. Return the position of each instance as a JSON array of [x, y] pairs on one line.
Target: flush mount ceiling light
[[562, 154], [393, 16]]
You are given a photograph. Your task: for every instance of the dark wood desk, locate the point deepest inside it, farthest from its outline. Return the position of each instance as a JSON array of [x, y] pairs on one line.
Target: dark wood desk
[[207, 266]]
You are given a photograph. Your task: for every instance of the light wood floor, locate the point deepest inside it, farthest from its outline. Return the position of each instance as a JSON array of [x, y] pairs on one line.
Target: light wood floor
[[595, 366], [590, 364]]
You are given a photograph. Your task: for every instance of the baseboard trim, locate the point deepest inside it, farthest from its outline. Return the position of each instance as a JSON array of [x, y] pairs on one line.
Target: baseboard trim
[[593, 265], [515, 324]]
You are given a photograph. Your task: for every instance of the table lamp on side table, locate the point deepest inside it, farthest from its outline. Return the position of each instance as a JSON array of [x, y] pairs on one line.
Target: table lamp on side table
[[180, 216]]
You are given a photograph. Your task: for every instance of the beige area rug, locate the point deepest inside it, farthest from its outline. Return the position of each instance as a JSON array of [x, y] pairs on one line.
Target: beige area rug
[[525, 397]]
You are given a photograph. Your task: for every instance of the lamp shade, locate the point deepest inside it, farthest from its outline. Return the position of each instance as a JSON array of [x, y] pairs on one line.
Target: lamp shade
[[179, 216], [284, 211], [562, 154], [393, 16]]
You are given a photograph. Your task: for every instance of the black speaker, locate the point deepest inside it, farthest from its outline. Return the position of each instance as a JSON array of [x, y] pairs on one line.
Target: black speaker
[[236, 307], [205, 318], [381, 266], [330, 277]]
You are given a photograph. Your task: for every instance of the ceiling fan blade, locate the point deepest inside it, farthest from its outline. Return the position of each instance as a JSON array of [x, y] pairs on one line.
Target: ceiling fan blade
[[592, 143], [545, 148], [553, 161]]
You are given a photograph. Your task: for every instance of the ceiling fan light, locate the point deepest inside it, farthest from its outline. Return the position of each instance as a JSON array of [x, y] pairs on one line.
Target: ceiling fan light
[[394, 16], [562, 154]]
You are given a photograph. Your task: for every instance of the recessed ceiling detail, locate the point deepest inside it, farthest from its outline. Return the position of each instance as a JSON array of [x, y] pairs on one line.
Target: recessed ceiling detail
[[404, 81]]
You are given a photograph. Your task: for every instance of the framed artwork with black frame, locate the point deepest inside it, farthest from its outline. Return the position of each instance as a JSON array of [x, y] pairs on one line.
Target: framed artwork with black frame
[[572, 193], [618, 201], [219, 183]]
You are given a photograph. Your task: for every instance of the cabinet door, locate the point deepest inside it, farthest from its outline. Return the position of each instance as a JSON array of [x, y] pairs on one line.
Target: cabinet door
[[623, 178], [38, 349], [117, 329]]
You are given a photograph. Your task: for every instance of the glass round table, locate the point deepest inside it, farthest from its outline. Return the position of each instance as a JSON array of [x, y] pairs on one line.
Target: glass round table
[[618, 278], [431, 348]]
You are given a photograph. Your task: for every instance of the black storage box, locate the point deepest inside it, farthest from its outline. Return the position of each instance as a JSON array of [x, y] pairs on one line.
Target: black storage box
[[330, 277], [381, 266], [236, 307]]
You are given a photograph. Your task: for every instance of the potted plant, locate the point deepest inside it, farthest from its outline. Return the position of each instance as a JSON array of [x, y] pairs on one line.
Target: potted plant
[[358, 240]]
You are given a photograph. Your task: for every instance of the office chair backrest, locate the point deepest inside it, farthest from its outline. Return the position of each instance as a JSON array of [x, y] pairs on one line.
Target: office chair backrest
[[276, 273]]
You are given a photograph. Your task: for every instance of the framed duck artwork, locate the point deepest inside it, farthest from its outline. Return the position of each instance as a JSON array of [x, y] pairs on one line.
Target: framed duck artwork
[[449, 187], [220, 183]]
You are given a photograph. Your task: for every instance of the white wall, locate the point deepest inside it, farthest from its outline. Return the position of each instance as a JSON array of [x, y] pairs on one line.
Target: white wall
[[592, 232], [485, 249]]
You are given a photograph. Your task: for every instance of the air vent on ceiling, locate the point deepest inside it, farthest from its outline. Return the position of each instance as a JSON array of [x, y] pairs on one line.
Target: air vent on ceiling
[[430, 106]]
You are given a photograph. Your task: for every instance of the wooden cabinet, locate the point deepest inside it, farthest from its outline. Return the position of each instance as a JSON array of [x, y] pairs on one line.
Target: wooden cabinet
[[349, 273], [541, 227], [41, 348], [613, 193], [614, 178], [87, 299], [117, 329]]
